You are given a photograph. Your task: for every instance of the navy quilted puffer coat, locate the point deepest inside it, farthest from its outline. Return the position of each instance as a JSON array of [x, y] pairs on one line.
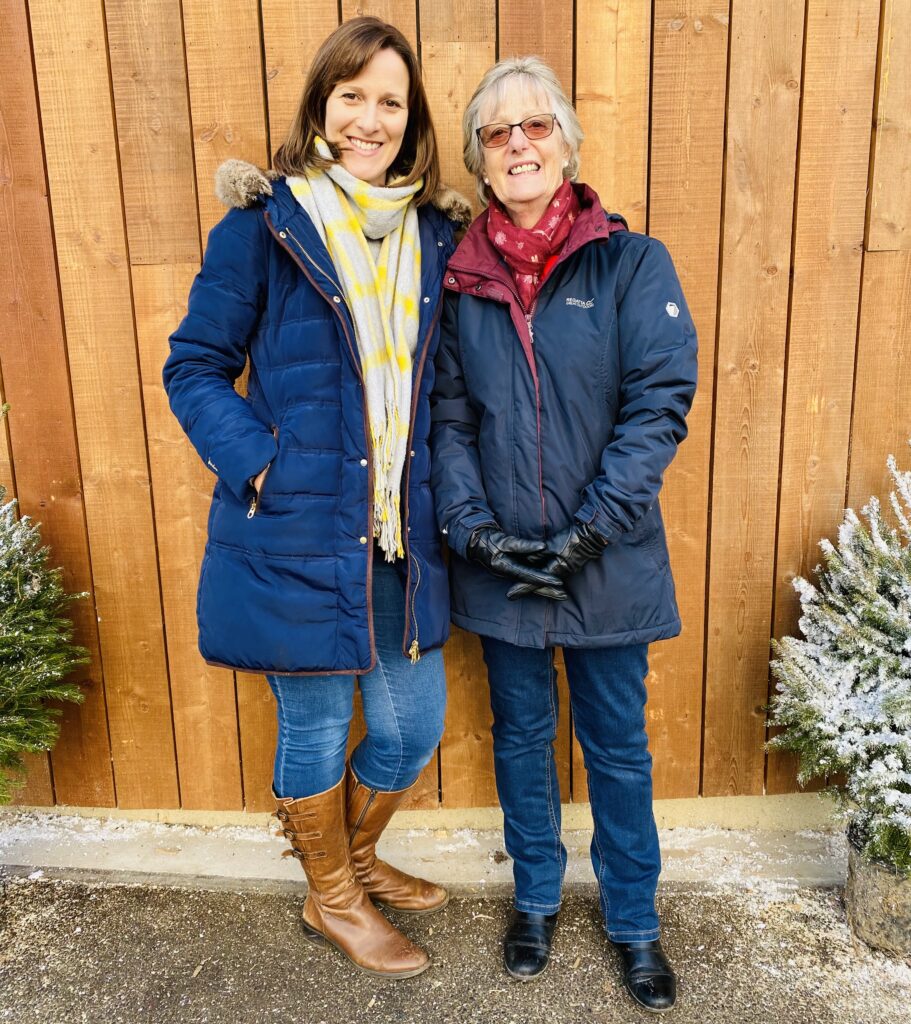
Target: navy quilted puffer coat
[[285, 586], [573, 409]]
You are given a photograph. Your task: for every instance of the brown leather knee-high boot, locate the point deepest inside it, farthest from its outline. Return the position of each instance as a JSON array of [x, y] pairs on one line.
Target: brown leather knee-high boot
[[369, 812], [337, 910]]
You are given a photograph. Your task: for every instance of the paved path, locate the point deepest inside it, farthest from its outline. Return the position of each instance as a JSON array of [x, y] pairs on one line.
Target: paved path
[[72, 951]]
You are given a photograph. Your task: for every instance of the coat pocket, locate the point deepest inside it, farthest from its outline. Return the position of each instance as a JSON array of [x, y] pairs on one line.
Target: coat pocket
[[257, 497]]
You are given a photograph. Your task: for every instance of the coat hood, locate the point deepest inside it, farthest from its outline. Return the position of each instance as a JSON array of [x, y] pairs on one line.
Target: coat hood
[[240, 184]]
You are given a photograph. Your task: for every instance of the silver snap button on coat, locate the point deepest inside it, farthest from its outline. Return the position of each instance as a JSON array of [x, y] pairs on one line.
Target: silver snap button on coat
[[363, 540]]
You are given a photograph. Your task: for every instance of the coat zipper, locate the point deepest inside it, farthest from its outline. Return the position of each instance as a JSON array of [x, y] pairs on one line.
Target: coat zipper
[[529, 316], [280, 238], [414, 651], [254, 504]]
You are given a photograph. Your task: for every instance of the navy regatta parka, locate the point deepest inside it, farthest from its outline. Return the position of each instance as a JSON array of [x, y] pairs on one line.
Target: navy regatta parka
[[572, 409], [285, 585]]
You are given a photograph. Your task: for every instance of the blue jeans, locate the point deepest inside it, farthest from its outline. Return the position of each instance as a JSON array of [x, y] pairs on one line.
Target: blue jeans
[[607, 695], [403, 708]]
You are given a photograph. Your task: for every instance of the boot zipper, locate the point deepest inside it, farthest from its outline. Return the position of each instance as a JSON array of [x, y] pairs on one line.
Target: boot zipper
[[254, 504], [362, 815]]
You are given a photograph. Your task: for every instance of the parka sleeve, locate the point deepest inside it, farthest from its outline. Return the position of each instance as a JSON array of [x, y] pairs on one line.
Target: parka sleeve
[[658, 367], [209, 351], [455, 465]]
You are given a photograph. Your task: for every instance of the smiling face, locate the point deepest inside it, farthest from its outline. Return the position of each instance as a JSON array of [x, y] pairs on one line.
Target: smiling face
[[366, 117], [525, 173]]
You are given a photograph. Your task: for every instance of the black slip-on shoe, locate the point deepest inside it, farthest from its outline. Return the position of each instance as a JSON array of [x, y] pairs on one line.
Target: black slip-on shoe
[[526, 945], [647, 975]]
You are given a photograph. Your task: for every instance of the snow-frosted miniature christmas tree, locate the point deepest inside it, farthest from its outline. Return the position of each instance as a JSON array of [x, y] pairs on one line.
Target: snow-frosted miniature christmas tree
[[844, 690], [36, 652]]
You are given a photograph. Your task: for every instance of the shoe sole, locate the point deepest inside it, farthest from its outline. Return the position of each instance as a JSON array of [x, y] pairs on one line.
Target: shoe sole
[[414, 913], [323, 942]]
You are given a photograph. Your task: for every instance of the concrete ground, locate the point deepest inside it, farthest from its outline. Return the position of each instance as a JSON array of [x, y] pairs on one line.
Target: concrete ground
[[123, 921]]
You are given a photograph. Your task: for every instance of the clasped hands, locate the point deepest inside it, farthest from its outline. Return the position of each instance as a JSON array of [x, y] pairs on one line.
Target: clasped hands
[[539, 567]]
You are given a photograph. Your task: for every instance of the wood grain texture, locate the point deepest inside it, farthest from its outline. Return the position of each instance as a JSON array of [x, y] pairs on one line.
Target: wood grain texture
[[292, 33], [690, 42], [149, 81], [762, 115], [839, 71], [882, 421], [613, 51], [81, 152], [40, 428], [458, 44], [256, 713], [202, 696], [543, 28], [227, 105], [401, 13], [889, 221]]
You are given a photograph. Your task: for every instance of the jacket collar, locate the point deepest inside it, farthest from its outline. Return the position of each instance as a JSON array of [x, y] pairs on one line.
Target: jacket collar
[[476, 264]]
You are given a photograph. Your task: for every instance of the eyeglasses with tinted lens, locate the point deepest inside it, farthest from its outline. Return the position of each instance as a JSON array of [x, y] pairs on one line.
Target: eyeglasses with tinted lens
[[538, 126]]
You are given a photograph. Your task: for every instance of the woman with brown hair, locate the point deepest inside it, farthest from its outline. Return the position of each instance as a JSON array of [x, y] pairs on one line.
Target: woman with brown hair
[[323, 560]]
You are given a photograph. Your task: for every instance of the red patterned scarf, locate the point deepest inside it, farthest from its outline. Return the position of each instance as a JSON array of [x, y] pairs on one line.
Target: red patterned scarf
[[527, 250]]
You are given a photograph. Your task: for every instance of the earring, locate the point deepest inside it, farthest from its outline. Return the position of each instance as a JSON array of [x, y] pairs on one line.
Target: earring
[[487, 181]]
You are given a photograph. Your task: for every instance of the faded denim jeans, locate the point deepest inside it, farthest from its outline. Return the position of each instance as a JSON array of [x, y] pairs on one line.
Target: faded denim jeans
[[403, 707]]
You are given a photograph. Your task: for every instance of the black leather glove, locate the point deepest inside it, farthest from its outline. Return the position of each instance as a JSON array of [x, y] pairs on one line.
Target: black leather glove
[[568, 551], [507, 556]]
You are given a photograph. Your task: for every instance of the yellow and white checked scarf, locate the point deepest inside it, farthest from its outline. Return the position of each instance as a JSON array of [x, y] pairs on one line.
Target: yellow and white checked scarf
[[382, 294]]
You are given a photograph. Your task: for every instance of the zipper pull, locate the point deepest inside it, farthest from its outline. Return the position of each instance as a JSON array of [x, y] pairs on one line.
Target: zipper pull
[[252, 511], [414, 651], [531, 332]]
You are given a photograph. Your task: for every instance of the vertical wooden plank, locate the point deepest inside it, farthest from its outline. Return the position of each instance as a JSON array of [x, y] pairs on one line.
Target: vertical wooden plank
[[401, 13], [688, 93], [763, 107], [203, 698], [292, 33], [613, 52], [540, 27], [882, 424], [83, 175], [889, 223], [457, 47], [148, 76], [150, 96], [839, 69], [227, 103], [40, 424], [227, 108], [466, 753]]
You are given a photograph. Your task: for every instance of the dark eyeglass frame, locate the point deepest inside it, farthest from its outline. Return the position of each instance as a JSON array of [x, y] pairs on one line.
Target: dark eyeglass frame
[[518, 124]]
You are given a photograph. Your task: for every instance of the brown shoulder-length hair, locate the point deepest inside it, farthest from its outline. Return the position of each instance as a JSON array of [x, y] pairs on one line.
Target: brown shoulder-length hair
[[342, 57]]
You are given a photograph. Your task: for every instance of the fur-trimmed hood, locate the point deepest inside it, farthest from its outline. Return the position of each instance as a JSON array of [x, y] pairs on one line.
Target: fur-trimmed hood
[[240, 184]]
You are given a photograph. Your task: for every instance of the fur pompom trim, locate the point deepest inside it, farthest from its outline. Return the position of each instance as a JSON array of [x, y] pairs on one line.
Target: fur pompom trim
[[240, 184]]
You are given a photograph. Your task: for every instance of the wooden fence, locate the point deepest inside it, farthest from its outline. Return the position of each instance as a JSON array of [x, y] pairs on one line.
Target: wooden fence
[[766, 142]]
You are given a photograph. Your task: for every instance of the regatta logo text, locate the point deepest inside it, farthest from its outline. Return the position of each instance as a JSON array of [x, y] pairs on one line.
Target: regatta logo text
[[581, 303]]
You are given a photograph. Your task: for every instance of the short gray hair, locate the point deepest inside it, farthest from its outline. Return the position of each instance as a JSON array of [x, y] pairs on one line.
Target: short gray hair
[[535, 74]]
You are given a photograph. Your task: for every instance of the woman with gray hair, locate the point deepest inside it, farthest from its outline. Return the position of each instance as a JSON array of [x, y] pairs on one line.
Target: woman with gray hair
[[566, 368]]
